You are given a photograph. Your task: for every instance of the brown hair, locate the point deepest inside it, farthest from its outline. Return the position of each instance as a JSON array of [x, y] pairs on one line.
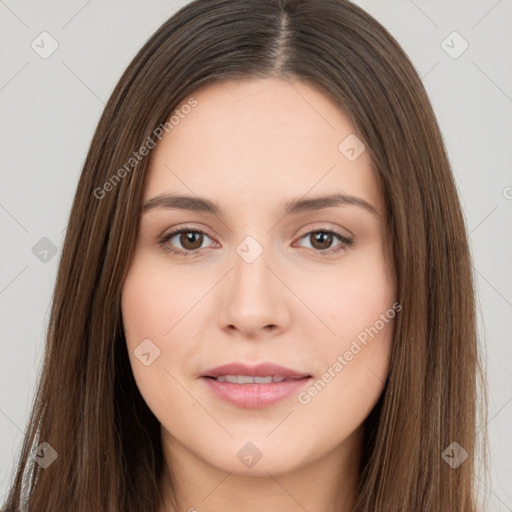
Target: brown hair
[[88, 406]]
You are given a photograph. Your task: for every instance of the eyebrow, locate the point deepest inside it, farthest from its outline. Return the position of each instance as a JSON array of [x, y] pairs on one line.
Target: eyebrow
[[294, 207]]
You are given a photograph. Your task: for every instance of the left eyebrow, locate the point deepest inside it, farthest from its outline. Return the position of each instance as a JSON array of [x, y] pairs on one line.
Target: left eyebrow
[[293, 207], [319, 202]]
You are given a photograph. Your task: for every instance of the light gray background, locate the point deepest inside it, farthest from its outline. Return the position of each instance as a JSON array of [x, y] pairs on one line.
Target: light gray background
[[50, 107]]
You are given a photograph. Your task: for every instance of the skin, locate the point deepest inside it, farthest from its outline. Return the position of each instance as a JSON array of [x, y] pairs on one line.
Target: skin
[[250, 146]]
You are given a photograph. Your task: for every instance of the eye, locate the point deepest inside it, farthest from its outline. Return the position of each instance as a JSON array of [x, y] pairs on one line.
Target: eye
[[321, 241], [191, 241]]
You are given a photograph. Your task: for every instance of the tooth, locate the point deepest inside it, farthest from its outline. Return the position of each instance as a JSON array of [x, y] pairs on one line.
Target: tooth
[[246, 379], [263, 380]]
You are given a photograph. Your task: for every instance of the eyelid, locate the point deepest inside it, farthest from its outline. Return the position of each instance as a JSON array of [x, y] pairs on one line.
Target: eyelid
[[324, 227], [177, 229]]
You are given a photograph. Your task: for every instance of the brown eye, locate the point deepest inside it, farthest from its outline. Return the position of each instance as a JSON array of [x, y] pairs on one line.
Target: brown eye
[[322, 241], [184, 241]]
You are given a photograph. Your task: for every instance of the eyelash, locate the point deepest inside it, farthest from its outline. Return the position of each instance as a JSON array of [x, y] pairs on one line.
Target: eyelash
[[345, 242]]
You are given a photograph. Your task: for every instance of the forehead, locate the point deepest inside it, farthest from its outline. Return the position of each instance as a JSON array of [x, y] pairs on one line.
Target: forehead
[[249, 140]]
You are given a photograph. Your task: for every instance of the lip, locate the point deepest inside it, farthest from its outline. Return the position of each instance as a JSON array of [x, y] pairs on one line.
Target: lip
[[259, 370], [254, 396]]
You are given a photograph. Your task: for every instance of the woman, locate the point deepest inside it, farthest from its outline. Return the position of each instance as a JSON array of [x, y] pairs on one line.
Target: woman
[[265, 297]]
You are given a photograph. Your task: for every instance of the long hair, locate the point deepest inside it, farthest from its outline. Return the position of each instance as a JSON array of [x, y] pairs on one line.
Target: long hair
[[88, 407]]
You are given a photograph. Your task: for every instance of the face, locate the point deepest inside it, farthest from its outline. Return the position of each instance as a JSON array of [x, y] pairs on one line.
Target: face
[[256, 269]]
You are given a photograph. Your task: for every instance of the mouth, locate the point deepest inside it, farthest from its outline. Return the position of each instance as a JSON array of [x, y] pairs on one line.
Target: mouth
[[252, 387]]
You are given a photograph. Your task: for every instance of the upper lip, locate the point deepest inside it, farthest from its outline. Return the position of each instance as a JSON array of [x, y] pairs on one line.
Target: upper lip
[[259, 370]]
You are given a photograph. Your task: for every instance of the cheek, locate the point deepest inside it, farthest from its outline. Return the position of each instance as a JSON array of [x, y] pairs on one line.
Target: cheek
[[155, 301], [146, 308], [352, 298], [152, 310], [354, 364], [348, 389], [358, 305], [153, 315]]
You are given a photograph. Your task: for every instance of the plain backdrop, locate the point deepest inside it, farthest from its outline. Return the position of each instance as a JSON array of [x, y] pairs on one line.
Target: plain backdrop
[[50, 106]]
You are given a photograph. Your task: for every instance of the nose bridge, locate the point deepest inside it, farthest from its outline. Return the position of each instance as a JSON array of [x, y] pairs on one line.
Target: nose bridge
[[252, 300], [250, 261]]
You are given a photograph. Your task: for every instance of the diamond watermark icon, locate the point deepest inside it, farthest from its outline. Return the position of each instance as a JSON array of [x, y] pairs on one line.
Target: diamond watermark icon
[[454, 455], [44, 45], [454, 45], [44, 250], [146, 352], [351, 147], [45, 455], [249, 455], [249, 249]]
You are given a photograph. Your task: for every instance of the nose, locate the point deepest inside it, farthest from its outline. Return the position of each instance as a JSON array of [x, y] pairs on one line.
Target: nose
[[253, 300]]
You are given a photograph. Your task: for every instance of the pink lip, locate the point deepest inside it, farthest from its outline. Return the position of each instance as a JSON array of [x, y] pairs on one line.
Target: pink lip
[[252, 396]]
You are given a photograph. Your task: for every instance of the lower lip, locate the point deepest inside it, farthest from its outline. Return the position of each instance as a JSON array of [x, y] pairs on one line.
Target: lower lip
[[254, 396]]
